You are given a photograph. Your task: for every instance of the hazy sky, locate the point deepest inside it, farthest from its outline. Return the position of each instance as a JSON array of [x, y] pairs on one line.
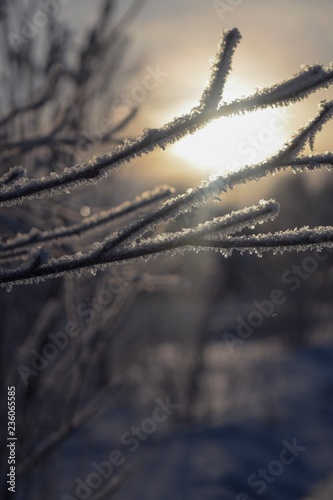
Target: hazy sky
[[278, 36], [181, 35]]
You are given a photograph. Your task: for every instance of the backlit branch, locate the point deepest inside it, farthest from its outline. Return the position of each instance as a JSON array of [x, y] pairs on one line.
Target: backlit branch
[[22, 242], [300, 86], [129, 241]]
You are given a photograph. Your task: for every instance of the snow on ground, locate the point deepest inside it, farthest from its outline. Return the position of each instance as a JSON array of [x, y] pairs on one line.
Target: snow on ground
[[257, 404]]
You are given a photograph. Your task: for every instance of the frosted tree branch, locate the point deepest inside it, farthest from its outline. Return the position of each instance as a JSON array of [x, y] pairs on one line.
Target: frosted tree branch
[[220, 69], [128, 242], [302, 239], [20, 243], [100, 256], [300, 86], [228, 224]]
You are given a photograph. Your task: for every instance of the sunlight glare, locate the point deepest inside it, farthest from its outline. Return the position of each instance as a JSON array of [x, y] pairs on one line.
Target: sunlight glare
[[228, 144]]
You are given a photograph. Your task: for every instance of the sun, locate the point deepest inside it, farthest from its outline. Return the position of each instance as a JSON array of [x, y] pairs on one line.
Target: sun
[[230, 143]]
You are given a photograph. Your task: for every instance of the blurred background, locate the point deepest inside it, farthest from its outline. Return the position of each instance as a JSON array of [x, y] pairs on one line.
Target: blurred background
[[184, 377]]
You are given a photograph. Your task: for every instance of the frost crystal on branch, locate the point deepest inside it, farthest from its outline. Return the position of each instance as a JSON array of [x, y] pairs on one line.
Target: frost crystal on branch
[[26, 263], [221, 67], [23, 241]]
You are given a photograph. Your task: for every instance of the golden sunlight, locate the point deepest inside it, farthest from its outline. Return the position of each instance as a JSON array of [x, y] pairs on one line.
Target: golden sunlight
[[230, 143]]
